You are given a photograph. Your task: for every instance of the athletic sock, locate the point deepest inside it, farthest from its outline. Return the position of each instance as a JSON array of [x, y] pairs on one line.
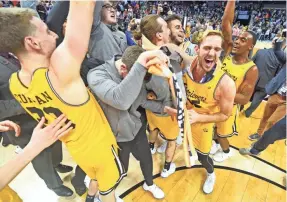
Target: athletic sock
[[167, 165], [151, 145], [226, 151]]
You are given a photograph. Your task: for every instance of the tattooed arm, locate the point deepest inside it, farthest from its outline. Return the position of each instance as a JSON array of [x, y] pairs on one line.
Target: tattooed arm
[[246, 89]]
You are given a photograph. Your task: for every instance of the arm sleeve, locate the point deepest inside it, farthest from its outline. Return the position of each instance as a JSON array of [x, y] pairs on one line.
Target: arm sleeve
[[120, 96]]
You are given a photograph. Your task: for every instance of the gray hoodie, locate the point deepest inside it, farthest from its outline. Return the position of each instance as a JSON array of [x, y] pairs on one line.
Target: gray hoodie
[[120, 98]]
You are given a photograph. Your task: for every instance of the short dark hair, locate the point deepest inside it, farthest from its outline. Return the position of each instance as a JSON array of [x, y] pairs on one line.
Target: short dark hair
[[131, 55], [172, 18], [254, 36]]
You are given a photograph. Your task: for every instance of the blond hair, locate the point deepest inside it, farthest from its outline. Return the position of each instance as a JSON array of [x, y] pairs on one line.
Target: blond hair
[[15, 25], [210, 33]]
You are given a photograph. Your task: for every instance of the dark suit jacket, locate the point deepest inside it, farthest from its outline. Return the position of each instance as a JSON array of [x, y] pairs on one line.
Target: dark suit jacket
[[10, 108], [273, 86], [279, 53]]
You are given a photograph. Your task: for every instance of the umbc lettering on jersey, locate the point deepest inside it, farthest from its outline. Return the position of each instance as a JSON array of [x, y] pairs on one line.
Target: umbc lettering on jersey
[[40, 99], [223, 68], [195, 99], [195, 96]]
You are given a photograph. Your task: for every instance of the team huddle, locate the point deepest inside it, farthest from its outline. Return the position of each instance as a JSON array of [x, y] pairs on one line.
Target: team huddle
[[130, 94]]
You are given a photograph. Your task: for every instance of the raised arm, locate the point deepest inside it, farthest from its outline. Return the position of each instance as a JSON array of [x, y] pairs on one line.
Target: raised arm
[[97, 15], [246, 89], [67, 58], [227, 22], [120, 96]]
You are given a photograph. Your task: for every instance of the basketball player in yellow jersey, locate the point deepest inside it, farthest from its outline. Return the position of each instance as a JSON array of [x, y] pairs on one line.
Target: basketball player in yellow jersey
[[244, 73], [49, 84], [210, 95]]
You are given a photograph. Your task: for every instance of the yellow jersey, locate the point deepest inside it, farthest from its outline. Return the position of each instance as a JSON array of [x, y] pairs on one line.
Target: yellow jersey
[[9, 195], [40, 99], [200, 96], [234, 71]]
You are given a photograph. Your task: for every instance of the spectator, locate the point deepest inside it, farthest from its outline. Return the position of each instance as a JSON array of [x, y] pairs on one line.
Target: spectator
[[41, 9], [268, 64], [276, 105], [131, 27]]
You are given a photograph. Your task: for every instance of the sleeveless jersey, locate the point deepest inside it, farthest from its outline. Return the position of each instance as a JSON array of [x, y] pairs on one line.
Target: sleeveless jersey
[[236, 72], [200, 96], [40, 99]]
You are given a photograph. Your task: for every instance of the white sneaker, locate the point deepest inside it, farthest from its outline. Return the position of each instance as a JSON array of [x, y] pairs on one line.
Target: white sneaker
[[97, 199], [162, 148], [214, 148], [209, 183], [155, 190], [221, 156], [118, 199], [18, 150], [153, 150], [179, 140], [166, 173], [193, 160]]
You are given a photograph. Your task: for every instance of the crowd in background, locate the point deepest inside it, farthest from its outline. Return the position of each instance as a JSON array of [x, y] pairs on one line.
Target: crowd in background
[[42, 7], [266, 23], [107, 41]]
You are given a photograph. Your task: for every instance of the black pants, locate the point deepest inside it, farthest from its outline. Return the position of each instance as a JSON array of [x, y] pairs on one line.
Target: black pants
[[6, 140], [139, 147], [206, 162], [277, 132], [258, 97], [45, 163]]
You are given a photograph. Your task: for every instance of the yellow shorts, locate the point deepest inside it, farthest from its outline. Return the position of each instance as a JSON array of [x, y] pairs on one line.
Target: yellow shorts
[[101, 163], [228, 127], [202, 134], [167, 127], [9, 195]]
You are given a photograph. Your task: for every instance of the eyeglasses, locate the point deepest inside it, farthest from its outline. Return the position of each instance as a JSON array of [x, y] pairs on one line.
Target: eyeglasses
[[109, 7]]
